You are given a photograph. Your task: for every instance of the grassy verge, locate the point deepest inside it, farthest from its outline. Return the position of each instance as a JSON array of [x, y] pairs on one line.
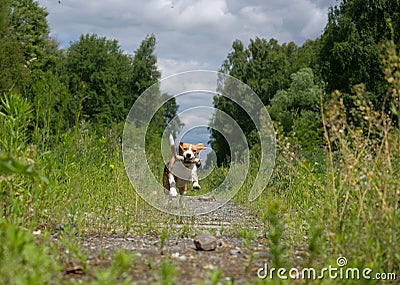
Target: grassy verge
[[342, 200]]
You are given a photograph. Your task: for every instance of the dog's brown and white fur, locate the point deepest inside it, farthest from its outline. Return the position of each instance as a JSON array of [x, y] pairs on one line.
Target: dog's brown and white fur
[[182, 167]]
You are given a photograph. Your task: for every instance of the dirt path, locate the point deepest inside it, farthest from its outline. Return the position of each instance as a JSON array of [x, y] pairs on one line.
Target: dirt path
[[238, 255]]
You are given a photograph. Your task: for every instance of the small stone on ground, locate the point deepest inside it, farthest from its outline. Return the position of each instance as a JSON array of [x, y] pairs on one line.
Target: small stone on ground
[[205, 242]]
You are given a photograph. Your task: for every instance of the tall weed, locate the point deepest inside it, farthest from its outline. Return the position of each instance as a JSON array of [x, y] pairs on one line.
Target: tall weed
[[365, 166], [15, 116], [343, 200]]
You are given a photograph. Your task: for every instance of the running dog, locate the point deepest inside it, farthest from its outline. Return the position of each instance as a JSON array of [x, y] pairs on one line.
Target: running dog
[[181, 168]]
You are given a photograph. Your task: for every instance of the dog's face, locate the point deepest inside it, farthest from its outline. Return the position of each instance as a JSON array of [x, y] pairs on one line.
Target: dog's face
[[190, 151]]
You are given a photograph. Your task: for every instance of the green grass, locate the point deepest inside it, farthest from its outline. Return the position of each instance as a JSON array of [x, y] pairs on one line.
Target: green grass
[[340, 200]]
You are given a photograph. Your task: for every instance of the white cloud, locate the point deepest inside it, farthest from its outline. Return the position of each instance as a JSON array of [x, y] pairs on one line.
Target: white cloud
[[173, 66], [198, 13], [254, 15], [191, 84], [191, 34]]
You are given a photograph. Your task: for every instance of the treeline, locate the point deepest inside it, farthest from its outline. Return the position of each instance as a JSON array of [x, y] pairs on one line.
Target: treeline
[[290, 80], [94, 80]]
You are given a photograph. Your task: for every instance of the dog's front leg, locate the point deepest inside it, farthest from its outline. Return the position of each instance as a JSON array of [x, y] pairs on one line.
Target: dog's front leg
[[195, 178]]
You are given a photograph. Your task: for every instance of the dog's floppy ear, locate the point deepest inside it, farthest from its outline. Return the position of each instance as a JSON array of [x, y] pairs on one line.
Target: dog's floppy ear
[[180, 148], [200, 146]]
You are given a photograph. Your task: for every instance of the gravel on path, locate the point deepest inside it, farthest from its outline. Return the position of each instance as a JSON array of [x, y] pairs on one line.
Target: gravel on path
[[237, 256]]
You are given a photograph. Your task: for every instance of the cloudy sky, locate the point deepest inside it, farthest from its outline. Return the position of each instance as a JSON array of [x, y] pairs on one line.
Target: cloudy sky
[[190, 34]]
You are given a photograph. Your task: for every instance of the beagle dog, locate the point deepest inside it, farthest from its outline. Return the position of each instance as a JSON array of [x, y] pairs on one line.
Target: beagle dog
[[182, 167]]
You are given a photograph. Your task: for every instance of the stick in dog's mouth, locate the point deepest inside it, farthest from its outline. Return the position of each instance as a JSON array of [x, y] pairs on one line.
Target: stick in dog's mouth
[[185, 159]]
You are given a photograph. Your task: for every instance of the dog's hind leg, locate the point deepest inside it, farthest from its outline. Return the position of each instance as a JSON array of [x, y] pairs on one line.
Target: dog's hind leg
[[165, 178], [171, 179]]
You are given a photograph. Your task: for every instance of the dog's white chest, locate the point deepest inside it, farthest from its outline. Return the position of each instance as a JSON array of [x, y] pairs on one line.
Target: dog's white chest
[[181, 171]]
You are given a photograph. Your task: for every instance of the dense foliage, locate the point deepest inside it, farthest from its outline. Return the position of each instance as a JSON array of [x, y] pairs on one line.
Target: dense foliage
[[345, 55], [349, 51]]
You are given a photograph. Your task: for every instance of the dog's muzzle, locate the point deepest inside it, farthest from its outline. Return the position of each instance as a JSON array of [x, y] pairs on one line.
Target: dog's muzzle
[[188, 156]]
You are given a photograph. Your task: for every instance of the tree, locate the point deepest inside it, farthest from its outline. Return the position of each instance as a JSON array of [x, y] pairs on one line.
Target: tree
[[297, 109], [349, 51], [144, 69], [98, 75], [265, 66], [236, 62], [268, 69], [172, 123], [14, 75], [306, 56], [143, 76], [25, 47], [4, 11], [29, 27]]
